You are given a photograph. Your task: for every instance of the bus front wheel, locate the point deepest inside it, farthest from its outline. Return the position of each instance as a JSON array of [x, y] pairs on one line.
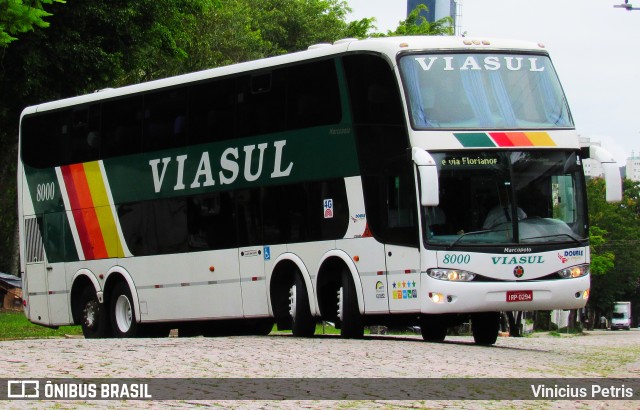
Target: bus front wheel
[[433, 328], [485, 327], [92, 315], [123, 317]]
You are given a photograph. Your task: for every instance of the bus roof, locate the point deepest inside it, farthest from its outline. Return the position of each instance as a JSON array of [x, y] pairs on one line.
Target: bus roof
[[390, 46]]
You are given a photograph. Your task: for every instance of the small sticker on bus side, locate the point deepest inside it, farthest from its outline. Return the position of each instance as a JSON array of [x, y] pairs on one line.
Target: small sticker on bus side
[[328, 208]]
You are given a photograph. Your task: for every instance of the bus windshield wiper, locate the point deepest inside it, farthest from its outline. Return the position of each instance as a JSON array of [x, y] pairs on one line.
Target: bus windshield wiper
[[454, 243], [574, 239]]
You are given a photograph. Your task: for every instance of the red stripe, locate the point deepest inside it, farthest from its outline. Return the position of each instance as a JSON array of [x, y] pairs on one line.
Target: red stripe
[[81, 185], [519, 139], [89, 231], [96, 240], [83, 233], [501, 139]]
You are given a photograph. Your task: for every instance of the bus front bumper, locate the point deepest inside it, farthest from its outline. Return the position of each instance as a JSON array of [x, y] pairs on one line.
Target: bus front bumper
[[440, 296]]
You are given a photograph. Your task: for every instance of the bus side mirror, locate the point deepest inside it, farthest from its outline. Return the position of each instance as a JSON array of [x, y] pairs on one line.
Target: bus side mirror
[[429, 185], [612, 177]]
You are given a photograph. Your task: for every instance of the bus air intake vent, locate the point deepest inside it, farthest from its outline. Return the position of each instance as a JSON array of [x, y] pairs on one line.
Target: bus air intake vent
[[35, 247]]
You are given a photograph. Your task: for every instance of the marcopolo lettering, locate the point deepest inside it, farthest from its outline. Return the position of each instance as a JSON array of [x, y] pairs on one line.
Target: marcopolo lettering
[[490, 63], [516, 260], [229, 167]]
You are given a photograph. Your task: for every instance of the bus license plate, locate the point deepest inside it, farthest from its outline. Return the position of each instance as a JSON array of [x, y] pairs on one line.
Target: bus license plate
[[519, 296]]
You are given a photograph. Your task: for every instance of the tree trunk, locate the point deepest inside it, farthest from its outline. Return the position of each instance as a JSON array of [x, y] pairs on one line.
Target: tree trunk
[[15, 260]]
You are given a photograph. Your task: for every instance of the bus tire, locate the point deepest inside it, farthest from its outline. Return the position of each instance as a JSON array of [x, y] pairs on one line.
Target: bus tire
[[123, 316], [485, 327], [433, 328], [92, 314], [351, 323], [302, 322]]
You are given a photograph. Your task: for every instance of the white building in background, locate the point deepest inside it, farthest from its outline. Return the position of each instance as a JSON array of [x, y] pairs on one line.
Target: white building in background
[[633, 167], [592, 168]]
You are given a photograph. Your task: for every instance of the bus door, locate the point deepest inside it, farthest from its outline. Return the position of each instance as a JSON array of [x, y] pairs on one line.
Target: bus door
[[403, 277], [401, 253], [251, 253], [253, 281], [56, 240], [35, 281]]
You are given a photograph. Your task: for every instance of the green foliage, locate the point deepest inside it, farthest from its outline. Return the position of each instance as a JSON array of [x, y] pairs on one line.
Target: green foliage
[[601, 260], [94, 44], [14, 325], [18, 16], [615, 240], [417, 25]]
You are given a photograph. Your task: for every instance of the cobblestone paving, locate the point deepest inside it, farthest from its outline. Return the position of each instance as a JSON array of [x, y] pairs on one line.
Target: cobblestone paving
[[596, 354]]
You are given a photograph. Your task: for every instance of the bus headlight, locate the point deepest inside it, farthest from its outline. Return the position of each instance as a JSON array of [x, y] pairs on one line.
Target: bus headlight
[[453, 275], [574, 271]]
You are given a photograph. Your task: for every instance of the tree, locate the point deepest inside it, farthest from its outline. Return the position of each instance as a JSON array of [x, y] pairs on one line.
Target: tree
[[16, 17], [95, 44], [615, 240], [242, 30], [416, 24]]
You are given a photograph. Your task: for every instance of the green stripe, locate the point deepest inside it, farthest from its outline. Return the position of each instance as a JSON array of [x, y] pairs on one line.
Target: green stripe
[[474, 139]]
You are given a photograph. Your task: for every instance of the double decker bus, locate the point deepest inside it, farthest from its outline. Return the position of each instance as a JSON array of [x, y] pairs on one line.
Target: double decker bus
[[399, 181]]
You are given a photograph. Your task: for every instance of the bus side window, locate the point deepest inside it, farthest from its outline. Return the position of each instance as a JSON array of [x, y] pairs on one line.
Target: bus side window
[[313, 95], [85, 134], [122, 127], [44, 139], [249, 216], [261, 103], [165, 121], [212, 108]]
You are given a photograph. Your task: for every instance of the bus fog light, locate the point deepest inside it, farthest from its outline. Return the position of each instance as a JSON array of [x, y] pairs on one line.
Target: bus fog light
[[436, 297]]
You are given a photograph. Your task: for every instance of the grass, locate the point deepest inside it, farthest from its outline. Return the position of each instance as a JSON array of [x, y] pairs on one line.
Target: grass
[[327, 329], [14, 325]]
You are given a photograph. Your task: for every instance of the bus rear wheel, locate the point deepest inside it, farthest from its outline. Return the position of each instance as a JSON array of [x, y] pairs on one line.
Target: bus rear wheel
[[485, 327], [123, 316], [351, 323], [92, 315], [302, 322]]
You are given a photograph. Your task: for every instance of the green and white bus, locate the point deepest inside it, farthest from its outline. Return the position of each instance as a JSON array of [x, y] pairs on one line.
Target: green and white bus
[[395, 181]]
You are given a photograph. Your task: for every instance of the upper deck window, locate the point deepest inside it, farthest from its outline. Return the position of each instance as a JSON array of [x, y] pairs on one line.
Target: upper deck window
[[483, 91]]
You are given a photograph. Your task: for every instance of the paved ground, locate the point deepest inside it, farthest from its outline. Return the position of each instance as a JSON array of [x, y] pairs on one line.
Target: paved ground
[[596, 354]]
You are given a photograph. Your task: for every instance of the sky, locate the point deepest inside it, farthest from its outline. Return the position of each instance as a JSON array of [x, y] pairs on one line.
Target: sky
[[595, 49]]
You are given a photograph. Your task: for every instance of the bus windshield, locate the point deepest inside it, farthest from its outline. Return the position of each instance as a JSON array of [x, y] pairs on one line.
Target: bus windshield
[[480, 91], [507, 197]]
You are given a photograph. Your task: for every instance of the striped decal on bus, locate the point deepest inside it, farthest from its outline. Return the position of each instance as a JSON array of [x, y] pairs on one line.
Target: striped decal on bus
[[505, 139], [92, 211]]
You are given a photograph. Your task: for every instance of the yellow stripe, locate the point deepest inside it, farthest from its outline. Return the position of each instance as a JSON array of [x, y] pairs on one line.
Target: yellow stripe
[[540, 139], [103, 209]]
